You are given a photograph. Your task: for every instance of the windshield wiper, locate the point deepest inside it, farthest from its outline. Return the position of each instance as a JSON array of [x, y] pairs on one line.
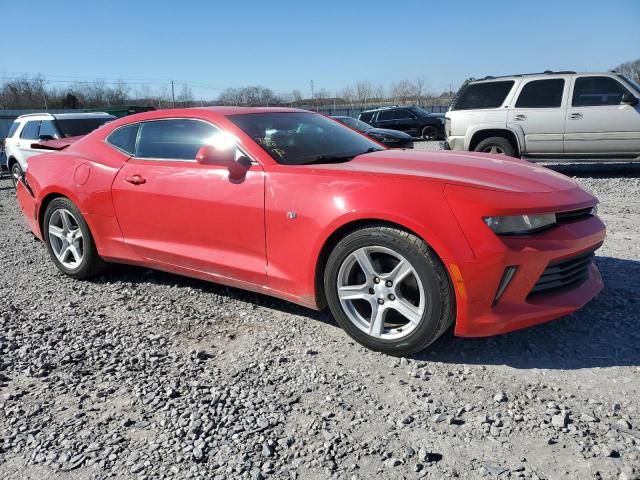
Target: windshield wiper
[[341, 158]]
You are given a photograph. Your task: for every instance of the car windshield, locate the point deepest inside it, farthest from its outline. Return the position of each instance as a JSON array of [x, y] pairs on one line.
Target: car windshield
[[355, 123], [73, 127], [299, 138]]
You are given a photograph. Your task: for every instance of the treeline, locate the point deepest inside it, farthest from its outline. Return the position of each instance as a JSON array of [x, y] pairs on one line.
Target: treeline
[[33, 92]]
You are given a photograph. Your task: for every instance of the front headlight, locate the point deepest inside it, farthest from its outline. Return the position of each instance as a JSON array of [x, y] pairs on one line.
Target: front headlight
[[520, 224]]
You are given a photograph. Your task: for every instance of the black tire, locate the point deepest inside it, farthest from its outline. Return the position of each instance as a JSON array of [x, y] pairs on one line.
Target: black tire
[[15, 171], [497, 145], [430, 132], [91, 263], [439, 303]]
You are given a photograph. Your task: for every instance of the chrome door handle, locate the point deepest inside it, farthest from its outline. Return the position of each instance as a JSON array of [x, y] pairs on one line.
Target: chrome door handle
[[136, 179], [520, 117], [575, 116]]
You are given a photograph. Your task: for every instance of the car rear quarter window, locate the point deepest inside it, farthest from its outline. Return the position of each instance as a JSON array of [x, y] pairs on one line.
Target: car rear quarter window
[[124, 138], [178, 139], [541, 94], [30, 130], [596, 91], [483, 95], [366, 116], [12, 129]]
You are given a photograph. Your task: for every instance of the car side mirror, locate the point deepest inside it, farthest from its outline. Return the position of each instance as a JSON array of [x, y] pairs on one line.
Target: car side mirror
[[629, 99], [44, 138], [223, 157]]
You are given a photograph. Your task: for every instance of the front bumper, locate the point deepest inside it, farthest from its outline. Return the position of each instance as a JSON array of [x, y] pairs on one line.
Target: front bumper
[[480, 315]]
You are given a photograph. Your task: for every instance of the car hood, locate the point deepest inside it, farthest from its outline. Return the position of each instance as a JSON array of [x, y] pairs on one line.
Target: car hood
[[497, 172], [389, 133]]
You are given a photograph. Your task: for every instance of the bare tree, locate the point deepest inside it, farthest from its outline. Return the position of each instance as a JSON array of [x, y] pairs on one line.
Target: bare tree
[[630, 70], [185, 97], [364, 91]]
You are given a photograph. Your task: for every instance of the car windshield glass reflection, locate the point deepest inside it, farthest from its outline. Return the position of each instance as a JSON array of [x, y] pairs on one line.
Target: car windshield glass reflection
[[300, 138]]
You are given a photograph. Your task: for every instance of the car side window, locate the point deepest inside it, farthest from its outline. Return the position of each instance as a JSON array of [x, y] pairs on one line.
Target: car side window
[[404, 115], [124, 138], [47, 127], [385, 115], [178, 139], [596, 91], [366, 117], [541, 94], [30, 130]]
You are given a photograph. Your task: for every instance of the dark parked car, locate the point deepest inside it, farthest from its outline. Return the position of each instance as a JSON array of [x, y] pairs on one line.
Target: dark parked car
[[412, 120], [389, 138]]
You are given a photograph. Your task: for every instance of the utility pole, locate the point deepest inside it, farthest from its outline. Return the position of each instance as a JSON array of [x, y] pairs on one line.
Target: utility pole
[[173, 96], [312, 99]]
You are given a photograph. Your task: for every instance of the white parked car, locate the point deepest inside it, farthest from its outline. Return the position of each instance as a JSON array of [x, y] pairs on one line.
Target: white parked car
[[35, 127], [559, 115]]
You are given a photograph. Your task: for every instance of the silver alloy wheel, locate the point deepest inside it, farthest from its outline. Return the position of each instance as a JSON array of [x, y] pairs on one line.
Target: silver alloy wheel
[[16, 172], [65, 237], [380, 292], [493, 149]]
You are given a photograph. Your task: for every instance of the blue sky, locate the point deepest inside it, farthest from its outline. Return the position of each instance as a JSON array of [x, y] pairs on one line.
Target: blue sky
[[285, 44]]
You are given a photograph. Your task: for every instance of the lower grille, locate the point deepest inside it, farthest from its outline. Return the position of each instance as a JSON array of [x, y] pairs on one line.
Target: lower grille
[[565, 274]]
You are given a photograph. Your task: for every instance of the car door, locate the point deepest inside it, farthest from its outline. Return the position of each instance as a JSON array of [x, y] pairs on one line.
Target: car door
[[28, 136], [174, 211], [406, 122], [597, 120], [385, 119], [539, 114]]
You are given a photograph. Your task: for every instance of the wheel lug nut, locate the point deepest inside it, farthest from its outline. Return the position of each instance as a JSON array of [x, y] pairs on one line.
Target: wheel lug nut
[[376, 280], [392, 296], [381, 301], [372, 291], [389, 283]]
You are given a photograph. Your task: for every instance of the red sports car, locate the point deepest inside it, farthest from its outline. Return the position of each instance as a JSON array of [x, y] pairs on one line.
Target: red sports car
[[399, 245]]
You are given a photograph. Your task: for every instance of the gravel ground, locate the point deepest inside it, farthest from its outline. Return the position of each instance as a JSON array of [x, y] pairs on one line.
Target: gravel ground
[[139, 374]]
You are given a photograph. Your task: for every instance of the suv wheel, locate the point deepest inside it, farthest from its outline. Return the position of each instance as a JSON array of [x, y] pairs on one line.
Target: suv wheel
[[387, 289], [429, 133], [16, 173], [497, 145]]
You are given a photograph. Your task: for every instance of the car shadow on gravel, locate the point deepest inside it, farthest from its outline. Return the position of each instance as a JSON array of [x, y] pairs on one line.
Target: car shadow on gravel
[[597, 169], [605, 333]]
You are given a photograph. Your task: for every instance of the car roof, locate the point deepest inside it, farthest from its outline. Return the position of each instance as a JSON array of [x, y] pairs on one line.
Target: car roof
[[61, 116], [546, 73]]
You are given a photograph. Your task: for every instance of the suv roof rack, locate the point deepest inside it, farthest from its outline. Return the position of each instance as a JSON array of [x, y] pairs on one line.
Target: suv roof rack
[[35, 115], [546, 72]]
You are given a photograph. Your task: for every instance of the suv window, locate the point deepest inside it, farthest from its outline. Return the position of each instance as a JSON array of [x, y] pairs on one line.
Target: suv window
[[385, 115], [541, 94], [593, 91], [483, 95], [47, 127], [74, 127], [404, 114], [12, 129], [30, 130], [173, 139], [124, 138], [366, 116]]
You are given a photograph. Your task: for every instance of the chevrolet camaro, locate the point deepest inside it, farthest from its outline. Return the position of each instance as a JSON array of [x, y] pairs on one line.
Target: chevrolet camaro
[[398, 245]]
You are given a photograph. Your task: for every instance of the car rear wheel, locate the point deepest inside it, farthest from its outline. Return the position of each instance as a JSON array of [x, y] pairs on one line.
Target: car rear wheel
[[496, 145], [388, 290], [429, 133], [69, 240], [16, 173]]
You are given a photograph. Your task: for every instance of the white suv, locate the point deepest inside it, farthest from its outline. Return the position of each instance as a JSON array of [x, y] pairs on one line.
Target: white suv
[[35, 127], [560, 115]]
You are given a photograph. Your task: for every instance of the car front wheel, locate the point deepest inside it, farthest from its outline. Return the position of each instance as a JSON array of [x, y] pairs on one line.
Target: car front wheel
[[388, 290], [69, 240]]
